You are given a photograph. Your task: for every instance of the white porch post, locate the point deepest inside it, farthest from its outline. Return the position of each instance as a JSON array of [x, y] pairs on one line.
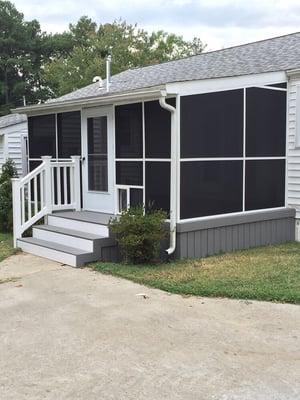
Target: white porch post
[[16, 200], [76, 183], [48, 189]]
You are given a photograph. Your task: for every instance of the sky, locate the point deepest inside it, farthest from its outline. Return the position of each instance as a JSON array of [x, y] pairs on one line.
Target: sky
[[218, 23]]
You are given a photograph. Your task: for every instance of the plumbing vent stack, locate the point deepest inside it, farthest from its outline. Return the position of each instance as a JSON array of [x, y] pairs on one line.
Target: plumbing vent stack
[[108, 78]]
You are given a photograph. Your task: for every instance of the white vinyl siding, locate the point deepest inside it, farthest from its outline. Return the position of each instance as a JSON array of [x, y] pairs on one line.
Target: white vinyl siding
[[2, 149], [12, 137], [293, 145]]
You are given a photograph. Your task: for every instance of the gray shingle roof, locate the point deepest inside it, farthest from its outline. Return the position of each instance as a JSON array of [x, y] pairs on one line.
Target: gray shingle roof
[[277, 54], [12, 119]]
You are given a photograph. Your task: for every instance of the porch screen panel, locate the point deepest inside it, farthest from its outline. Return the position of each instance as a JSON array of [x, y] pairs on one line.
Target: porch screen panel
[[97, 154], [136, 197], [265, 122], [265, 184], [129, 131], [69, 134], [129, 173], [211, 188], [42, 136], [158, 185], [157, 129], [212, 124]]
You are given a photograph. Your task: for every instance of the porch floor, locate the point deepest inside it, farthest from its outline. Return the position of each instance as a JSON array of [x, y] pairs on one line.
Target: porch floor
[[86, 216]]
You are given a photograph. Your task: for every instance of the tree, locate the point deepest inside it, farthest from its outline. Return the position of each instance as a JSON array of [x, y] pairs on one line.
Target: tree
[[24, 49], [130, 47]]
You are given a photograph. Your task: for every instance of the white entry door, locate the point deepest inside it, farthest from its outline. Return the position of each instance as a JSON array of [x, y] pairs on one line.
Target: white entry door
[[98, 159]]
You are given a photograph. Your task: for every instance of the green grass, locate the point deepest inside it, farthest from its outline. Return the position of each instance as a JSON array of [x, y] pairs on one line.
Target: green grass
[[269, 273], [6, 246]]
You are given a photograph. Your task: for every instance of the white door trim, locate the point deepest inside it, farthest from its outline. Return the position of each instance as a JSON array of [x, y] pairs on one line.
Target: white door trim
[[95, 200]]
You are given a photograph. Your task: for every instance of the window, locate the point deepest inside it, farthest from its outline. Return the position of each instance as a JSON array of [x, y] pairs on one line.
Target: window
[[97, 154], [129, 131], [212, 124], [265, 181], [265, 122], [69, 134], [211, 188]]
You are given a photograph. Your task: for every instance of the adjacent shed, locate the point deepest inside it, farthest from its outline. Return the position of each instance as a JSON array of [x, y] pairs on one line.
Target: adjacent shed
[[13, 141]]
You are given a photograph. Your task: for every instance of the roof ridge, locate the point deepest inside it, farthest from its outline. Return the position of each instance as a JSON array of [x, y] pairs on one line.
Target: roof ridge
[[210, 52]]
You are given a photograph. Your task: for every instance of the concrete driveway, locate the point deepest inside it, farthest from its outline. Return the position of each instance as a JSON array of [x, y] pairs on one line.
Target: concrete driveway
[[75, 334]]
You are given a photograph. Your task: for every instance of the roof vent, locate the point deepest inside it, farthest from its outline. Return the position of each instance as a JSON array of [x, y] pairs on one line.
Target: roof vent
[[98, 79]]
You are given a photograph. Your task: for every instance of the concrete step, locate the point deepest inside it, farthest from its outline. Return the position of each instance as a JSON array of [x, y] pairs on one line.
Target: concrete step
[[77, 239], [57, 252]]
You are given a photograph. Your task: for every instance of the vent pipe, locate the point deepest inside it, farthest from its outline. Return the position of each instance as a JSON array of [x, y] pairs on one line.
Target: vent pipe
[[108, 78], [98, 79]]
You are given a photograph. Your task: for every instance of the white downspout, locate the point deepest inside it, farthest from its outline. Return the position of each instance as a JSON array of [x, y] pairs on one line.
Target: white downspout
[[173, 185]]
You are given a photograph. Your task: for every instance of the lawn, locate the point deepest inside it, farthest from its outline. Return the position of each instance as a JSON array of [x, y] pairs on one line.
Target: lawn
[[269, 273], [6, 246]]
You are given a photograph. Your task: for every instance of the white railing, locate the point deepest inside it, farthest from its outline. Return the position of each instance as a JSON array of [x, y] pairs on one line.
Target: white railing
[[53, 185]]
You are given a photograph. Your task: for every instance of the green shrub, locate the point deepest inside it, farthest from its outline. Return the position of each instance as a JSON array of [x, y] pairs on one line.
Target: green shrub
[[6, 213], [139, 234]]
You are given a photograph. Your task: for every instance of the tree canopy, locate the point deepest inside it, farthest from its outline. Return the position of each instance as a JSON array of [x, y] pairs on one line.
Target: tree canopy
[[38, 66]]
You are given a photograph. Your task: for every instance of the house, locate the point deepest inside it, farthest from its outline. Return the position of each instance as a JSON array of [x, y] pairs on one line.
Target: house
[[213, 139], [13, 141]]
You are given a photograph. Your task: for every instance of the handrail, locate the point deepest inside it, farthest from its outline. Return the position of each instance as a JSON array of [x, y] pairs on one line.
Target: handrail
[[53, 185], [31, 174]]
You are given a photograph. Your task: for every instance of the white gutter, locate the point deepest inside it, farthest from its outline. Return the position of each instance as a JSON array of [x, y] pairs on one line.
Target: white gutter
[[173, 183], [102, 99]]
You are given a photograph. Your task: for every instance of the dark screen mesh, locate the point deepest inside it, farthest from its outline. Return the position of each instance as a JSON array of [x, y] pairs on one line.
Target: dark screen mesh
[[265, 122], [210, 188], [129, 131], [69, 134], [129, 173], [212, 124], [158, 185], [282, 85], [157, 130], [265, 184], [136, 197], [97, 154], [42, 136]]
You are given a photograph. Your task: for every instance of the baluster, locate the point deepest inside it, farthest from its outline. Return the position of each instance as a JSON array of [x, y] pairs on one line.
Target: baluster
[[58, 185], [72, 189], [35, 195], [29, 200], [52, 186], [65, 186], [42, 189]]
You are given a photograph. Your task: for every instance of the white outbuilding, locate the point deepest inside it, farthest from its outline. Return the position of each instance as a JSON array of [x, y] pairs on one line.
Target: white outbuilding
[[14, 141]]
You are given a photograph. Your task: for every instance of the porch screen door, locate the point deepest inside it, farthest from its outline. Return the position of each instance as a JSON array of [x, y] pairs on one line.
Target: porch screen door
[[97, 161]]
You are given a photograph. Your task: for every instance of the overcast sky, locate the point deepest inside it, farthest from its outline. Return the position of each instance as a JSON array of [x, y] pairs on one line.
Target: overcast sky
[[219, 23]]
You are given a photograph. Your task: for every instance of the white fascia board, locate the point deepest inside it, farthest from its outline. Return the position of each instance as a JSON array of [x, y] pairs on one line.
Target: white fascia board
[[219, 84], [72, 105]]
